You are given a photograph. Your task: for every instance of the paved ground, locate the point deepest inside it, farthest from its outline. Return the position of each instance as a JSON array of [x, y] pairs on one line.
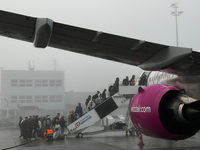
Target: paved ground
[[105, 141]]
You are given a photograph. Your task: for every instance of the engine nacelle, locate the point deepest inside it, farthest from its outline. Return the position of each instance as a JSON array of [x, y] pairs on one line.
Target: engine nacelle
[[164, 111]]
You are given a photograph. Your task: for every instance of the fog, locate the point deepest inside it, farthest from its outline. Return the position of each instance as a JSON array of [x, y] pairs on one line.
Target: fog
[[145, 20]]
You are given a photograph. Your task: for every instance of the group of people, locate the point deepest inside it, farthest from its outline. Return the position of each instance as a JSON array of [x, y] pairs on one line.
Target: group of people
[[34, 126], [127, 82], [96, 99], [74, 115]]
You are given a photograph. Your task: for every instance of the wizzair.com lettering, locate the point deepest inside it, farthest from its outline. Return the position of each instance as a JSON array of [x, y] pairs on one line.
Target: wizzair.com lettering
[[141, 109]]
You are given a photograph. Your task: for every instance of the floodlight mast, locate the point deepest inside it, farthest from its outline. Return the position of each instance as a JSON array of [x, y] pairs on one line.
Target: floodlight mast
[[176, 14]]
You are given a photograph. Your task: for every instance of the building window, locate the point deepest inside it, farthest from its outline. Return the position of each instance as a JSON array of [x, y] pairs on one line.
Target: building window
[[58, 101], [59, 81], [58, 85], [13, 101], [52, 98], [13, 97], [29, 101], [38, 101], [52, 85], [21, 101], [52, 101], [21, 81], [29, 81], [14, 81], [58, 98], [44, 81], [29, 85], [44, 85], [22, 97], [14, 85], [44, 99], [38, 83], [52, 81], [21, 85], [37, 97]]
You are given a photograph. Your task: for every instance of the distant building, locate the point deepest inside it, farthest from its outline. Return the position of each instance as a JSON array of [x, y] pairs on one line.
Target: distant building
[[31, 89]]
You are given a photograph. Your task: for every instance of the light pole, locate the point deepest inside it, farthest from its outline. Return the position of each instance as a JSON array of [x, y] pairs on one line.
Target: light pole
[[7, 107], [176, 14]]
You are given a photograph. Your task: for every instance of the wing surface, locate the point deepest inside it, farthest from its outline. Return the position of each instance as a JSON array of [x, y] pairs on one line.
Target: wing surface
[[147, 55]]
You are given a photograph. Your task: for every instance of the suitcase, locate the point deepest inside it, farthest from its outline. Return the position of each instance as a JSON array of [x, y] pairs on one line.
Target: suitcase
[[61, 137]]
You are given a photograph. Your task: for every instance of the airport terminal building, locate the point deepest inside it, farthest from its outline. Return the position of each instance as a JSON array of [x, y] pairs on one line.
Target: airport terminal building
[[31, 90]]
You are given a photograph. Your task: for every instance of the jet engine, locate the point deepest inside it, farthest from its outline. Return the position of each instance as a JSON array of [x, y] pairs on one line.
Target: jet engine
[[164, 111]]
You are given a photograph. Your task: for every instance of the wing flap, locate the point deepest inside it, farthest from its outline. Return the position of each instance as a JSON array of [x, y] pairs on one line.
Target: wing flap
[[17, 26], [146, 55]]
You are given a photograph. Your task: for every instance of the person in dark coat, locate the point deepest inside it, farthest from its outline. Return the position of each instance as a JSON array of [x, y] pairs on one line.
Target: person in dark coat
[[54, 120], [62, 124], [132, 80], [104, 95], [94, 97], [116, 85], [79, 110], [35, 126], [30, 125], [25, 128], [20, 126], [87, 100], [125, 81]]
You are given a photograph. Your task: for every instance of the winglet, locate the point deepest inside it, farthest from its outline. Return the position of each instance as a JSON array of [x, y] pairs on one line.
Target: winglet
[[140, 89]]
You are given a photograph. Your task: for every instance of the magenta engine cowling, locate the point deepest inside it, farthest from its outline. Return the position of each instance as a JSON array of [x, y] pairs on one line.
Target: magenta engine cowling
[[157, 111]]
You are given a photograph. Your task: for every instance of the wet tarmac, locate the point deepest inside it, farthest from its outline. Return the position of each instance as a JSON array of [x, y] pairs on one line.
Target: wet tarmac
[[9, 139]]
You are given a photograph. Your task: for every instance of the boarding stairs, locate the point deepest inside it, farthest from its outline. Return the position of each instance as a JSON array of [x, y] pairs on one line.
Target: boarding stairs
[[124, 95]]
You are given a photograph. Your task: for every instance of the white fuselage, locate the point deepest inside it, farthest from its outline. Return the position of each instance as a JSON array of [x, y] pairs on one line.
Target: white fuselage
[[191, 84]]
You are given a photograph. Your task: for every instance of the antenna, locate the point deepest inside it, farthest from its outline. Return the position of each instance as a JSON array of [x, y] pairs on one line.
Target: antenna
[[29, 64], [54, 65]]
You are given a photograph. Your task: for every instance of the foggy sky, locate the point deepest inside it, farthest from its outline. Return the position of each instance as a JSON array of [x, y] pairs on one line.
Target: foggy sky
[[148, 20]]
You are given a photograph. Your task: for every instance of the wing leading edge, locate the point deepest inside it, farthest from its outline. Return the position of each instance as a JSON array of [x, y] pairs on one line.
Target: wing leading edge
[[148, 56]]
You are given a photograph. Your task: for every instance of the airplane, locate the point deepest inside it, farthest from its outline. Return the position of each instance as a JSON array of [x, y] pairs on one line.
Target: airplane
[[168, 107]]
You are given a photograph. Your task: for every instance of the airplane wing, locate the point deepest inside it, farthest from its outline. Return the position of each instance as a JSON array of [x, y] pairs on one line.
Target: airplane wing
[[44, 32]]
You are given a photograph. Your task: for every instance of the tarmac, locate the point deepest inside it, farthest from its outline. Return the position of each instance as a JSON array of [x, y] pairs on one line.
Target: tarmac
[[9, 139]]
